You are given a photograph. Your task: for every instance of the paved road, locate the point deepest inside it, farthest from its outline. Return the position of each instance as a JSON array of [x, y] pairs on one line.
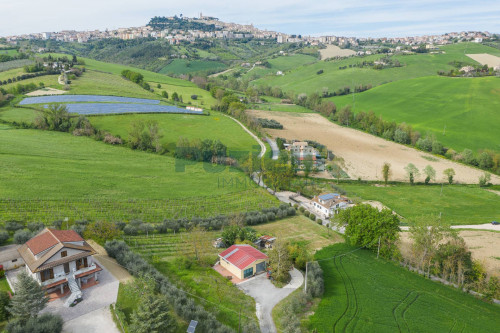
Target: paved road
[[100, 320], [262, 145], [486, 226], [266, 296], [274, 148]]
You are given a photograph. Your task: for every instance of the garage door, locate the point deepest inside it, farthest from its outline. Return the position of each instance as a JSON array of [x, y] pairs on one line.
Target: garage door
[[260, 267], [248, 272]]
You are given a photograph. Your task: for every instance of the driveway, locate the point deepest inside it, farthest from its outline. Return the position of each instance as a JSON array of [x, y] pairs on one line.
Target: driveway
[[94, 298], [274, 148], [266, 296], [96, 321]]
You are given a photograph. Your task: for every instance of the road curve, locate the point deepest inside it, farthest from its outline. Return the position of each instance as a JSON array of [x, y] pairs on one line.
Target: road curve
[[262, 145], [274, 148]]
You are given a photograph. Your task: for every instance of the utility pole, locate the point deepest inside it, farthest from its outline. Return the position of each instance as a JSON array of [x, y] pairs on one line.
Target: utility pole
[[378, 250], [305, 284]]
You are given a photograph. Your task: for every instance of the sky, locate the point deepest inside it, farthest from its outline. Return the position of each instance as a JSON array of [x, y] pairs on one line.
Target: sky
[[360, 18]]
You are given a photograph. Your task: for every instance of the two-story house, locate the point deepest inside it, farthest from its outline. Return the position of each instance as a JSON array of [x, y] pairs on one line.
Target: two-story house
[[330, 203], [59, 259], [302, 152]]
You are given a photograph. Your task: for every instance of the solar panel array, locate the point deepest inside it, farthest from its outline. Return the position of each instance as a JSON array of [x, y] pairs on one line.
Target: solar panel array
[[118, 108], [85, 98]]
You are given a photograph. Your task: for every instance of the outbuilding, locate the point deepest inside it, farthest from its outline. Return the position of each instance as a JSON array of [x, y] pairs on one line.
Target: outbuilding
[[243, 260]]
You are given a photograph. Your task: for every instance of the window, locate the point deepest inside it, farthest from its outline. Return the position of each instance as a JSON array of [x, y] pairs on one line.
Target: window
[[14, 260], [47, 274], [64, 254]]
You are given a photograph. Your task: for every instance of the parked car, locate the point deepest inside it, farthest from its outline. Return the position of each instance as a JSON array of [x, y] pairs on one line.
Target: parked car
[[495, 222]]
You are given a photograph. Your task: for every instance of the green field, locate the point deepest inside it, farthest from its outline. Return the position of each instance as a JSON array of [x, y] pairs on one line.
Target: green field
[[363, 294], [181, 66], [49, 175], [306, 80], [458, 204], [99, 83], [459, 112], [173, 126]]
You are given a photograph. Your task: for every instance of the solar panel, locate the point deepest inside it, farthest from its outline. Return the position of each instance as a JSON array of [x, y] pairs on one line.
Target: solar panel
[[192, 326], [328, 196], [85, 98]]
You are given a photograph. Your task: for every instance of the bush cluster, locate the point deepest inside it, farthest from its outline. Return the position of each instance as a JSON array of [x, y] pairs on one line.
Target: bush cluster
[[270, 123]]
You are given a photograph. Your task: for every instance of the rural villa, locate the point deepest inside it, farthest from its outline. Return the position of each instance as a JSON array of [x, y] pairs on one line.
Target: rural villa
[[243, 260], [302, 151], [59, 259], [330, 203]]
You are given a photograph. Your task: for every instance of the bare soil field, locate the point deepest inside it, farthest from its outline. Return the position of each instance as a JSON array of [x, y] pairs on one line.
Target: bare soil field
[[335, 51], [46, 92], [485, 59], [365, 154], [482, 244]]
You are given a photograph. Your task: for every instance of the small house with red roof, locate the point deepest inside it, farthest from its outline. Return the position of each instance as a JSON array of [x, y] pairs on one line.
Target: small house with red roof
[[243, 260], [60, 258]]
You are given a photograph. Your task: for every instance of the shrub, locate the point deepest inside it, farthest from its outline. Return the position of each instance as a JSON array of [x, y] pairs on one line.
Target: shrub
[[22, 236], [35, 226], [301, 209], [312, 217], [194, 97], [12, 226], [113, 140], [4, 236], [306, 213], [45, 323], [315, 283]]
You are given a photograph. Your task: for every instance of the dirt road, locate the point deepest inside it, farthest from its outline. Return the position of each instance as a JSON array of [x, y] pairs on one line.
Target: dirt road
[[365, 154]]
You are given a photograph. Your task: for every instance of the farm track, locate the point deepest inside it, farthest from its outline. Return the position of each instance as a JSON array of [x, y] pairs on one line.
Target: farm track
[[351, 297]]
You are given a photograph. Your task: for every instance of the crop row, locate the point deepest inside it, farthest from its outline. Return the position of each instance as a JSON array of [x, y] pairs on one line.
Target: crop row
[[152, 211]]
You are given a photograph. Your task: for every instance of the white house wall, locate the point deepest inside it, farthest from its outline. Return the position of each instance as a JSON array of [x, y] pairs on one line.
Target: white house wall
[[57, 256]]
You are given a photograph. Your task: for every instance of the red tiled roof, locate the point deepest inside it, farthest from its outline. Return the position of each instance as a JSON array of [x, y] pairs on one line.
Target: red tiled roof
[[50, 237], [66, 235], [41, 242], [242, 255]]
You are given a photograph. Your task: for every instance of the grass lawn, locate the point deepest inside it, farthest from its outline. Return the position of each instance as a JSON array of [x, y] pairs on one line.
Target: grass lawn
[[305, 79], [11, 114], [203, 97], [203, 281], [459, 112], [78, 177], [48, 81], [299, 229], [458, 204], [4, 285], [98, 83], [9, 74], [182, 66], [173, 126], [364, 294]]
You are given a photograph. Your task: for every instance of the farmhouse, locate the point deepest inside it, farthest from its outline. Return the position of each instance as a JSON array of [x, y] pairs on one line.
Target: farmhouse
[[243, 260], [330, 203], [60, 258], [302, 152]]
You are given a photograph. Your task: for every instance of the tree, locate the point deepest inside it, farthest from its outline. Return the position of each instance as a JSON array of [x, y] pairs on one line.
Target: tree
[[175, 97], [449, 173], [427, 233], [485, 160], [4, 236], [368, 227], [430, 174], [29, 298], [164, 94], [101, 231], [337, 168], [484, 179], [55, 118], [198, 240], [280, 261], [412, 172], [45, 323], [22, 236], [152, 316], [4, 304], [308, 165], [386, 172]]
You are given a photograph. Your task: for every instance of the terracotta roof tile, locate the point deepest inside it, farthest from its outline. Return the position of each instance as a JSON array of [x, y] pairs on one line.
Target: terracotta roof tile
[[41, 242]]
